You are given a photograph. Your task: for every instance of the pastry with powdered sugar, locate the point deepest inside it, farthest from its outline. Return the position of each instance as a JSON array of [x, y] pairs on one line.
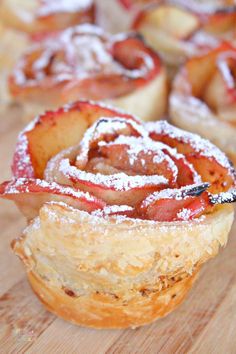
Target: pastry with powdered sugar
[[121, 214]]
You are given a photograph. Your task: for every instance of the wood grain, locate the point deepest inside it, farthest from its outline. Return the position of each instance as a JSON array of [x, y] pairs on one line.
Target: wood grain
[[205, 323]]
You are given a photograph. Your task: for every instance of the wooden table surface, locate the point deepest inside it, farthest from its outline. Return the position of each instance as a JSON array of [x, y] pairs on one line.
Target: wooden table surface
[[205, 323]]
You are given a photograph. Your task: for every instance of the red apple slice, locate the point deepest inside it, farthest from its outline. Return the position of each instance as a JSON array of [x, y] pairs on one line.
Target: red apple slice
[[106, 130], [213, 172], [140, 159], [176, 204], [133, 181], [186, 172], [220, 92], [208, 161], [54, 131], [222, 21], [118, 188], [31, 194], [142, 65], [200, 69]]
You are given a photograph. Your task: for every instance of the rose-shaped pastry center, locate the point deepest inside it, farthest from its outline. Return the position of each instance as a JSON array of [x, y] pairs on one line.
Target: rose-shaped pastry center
[[86, 61], [118, 166], [118, 162]]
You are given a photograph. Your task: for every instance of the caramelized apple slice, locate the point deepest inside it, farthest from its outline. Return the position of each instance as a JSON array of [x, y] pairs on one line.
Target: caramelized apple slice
[[118, 188], [200, 69], [208, 161], [133, 181], [140, 159], [52, 132], [186, 172], [142, 65], [220, 93], [222, 21], [104, 131], [177, 204], [211, 171], [31, 194]]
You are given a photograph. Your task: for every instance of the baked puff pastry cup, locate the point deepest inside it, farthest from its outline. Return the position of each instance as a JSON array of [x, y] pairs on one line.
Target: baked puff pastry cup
[[37, 16], [180, 29], [85, 62], [121, 214], [203, 97]]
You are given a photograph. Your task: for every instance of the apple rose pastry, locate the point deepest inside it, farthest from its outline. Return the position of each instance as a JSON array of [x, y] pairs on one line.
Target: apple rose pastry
[[84, 62], [180, 29], [121, 214], [203, 97], [21, 18], [34, 16]]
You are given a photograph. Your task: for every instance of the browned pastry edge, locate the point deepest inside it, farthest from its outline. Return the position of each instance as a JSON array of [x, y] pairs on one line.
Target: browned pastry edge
[[106, 310]]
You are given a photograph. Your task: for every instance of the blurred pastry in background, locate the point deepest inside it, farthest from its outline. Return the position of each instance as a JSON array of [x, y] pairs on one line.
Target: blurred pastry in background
[[85, 62], [34, 16], [180, 29], [22, 21], [203, 97], [11, 47]]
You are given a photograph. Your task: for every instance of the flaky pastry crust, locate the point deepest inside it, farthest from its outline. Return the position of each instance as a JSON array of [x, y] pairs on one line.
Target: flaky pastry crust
[[109, 274]]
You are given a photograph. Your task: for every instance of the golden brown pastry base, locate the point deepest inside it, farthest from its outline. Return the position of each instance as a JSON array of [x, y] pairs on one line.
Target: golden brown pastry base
[[106, 273], [107, 310]]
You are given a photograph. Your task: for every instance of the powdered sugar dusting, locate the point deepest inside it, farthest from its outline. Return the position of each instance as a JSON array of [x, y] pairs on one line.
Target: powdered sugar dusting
[[50, 7], [176, 194], [83, 52], [118, 181], [200, 145], [64, 177], [106, 126], [184, 214], [225, 197], [146, 146], [112, 209], [26, 185]]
